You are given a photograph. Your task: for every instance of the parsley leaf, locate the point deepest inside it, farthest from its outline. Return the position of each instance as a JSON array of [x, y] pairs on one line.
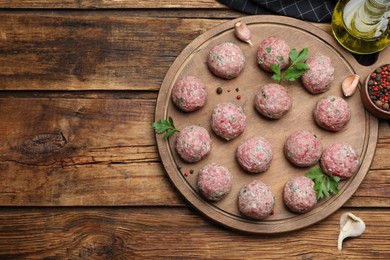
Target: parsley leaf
[[324, 185], [293, 54], [302, 66], [300, 57], [165, 126], [296, 69], [292, 74], [276, 69]]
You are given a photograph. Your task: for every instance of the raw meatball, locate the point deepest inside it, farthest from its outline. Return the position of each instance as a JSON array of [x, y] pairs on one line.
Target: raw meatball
[[320, 74], [189, 93], [256, 200], [273, 101], [340, 159], [299, 194], [254, 154], [214, 181], [332, 113], [228, 120], [226, 60], [273, 50], [303, 148], [193, 143]]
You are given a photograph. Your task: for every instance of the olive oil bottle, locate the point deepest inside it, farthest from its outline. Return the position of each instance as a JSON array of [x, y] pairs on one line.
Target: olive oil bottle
[[362, 26]]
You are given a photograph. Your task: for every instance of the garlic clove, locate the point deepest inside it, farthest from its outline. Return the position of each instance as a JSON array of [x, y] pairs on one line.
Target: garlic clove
[[350, 226], [242, 32], [350, 84]]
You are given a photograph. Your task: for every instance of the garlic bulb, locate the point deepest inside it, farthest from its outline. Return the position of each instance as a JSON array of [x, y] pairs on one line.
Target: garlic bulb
[[350, 226], [350, 84], [242, 32]]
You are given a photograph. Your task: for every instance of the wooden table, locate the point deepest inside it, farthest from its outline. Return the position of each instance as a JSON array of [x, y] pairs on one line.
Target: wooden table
[[80, 173]]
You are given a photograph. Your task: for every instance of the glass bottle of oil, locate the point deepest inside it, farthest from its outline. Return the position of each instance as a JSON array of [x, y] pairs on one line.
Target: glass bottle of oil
[[362, 26]]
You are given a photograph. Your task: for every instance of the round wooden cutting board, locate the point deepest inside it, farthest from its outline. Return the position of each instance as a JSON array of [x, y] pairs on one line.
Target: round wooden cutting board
[[361, 132]]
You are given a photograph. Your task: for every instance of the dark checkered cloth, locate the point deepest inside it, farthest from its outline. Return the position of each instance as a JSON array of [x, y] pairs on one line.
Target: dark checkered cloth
[[307, 10]]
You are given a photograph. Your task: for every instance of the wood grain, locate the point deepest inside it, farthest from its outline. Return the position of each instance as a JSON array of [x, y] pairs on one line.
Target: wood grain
[[91, 51], [145, 233], [72, 148], [61, 149], [85, 51], [53, 153], [101, 4]]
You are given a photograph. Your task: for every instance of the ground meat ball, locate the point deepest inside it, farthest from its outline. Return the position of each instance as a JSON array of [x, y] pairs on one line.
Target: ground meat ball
[[193, 143], [256, 200], [320, 74], [340, 159], [226, 60], [255, 154], [303, 148], [214, 181], [273, 101], [273, 50], [332, 113], [189, 93], [228, 120], [299, 194]]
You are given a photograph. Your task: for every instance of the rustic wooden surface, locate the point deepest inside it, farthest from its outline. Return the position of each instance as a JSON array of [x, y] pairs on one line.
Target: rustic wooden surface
[[81, 177]]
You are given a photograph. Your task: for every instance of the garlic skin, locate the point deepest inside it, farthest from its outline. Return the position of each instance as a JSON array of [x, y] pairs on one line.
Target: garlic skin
[[350, 226], [242, 32], [350, 84]]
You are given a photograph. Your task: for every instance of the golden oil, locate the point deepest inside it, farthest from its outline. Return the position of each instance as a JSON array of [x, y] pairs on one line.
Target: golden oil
[[362, 26]]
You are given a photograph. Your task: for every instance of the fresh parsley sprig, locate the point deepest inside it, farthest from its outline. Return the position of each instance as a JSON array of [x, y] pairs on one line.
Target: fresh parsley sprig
[[165, 126], [296, 69], [324, 185]]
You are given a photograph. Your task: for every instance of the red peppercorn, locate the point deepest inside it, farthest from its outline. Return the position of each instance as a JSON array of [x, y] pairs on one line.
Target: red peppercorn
[[238, 96], [378, 87]]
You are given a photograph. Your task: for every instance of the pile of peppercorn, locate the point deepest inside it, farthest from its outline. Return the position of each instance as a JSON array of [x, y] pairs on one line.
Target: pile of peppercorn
[[379, 87]]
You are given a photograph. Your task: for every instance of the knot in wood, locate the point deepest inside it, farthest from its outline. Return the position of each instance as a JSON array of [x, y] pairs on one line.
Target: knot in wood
[[43, 144]]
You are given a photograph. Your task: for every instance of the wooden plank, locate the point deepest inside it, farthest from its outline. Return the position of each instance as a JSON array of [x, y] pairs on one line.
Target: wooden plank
[[128, 184], [82, 52], [57, 151], [384, 130], [145, 233], [381, 160], [98, 4], [91, 50], [373, 192], [99, 149]]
